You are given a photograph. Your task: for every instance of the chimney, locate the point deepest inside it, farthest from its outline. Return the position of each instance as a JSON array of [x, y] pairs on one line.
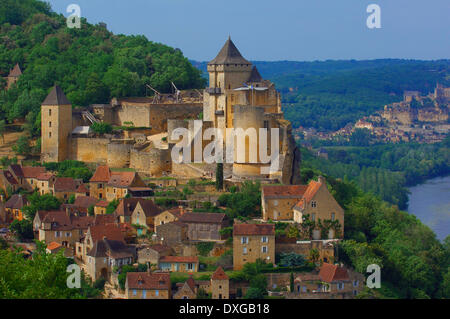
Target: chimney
[[149, 271], [182, 210]]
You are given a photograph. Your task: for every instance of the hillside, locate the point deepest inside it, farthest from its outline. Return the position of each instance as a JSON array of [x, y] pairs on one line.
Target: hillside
[[329, 94], [91, 64]]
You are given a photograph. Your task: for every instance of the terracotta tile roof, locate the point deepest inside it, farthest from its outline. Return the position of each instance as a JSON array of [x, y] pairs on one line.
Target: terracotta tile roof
[[42, 214], [286, 191], [45, 176], [110, 231], [191, 283], [310, 192], [102, 203], [329, 273], [32, 172], [9, 177], [82, 222], [149, 207], [102, 174], [127, 205], [219, 274], [313, 187], [105, 219], [253, 229], [65, 184], [16, 71], [145, 280], [82, 189], [121, 179], [178, 259], [202, 218], [59, 220], [16, 169], [53, 245], [85, 201], [110, 248], [17, 201]]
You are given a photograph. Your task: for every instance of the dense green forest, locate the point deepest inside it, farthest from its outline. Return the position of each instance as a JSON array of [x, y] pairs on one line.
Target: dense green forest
[[387, 169], [91, 64], [329, 94]]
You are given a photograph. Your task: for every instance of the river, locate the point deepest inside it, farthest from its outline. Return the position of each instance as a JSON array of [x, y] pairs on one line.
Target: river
[[430, 202]]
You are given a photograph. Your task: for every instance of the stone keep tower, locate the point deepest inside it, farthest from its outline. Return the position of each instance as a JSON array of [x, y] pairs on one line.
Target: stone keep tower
[[229, 70], [56, 126], [220, 285]]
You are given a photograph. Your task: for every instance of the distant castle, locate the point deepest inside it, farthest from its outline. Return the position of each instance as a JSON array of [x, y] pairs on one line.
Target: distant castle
[[237, 97], [416, 108]]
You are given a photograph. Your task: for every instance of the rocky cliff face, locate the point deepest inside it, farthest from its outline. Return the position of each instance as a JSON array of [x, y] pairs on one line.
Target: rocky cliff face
[[290, 155]]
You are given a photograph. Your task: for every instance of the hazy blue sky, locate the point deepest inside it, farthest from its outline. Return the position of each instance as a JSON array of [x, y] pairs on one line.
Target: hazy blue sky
[[280, 29]]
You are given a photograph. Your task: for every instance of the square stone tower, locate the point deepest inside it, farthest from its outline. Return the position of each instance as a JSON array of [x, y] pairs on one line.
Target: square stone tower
[[56, 126], [227, 71], [220, 285]]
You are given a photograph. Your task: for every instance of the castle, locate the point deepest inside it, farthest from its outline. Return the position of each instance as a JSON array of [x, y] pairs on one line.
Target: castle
[[237, 97], [432, 108]]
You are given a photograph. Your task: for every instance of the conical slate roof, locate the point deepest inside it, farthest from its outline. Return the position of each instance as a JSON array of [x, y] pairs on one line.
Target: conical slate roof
[[229, 54], [56, 97], [16, 72], [255, 76]]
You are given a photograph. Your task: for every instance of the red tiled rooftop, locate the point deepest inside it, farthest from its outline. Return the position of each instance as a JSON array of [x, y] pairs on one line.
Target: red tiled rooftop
[[329, 273], [102, 174], [284, 190], [179, 259], [144, 280], [32, 172], [219, 274], [253, 229]]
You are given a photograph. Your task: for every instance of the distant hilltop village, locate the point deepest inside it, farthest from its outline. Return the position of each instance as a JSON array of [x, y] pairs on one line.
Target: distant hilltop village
[[423, 119], [237, 97]]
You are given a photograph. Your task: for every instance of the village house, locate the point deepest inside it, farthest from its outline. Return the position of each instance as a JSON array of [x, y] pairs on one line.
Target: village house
[[220, 285], [82, 203], [37, 221], [5, 220], [61, 227], [179, 263], [82, 190], [97, 183], [95, 233], [143, 216], [278, 201], [64, 187], [53, 248], [146, 285], [119, 184], [151, 254], [100, 207], [252, 242], [105, 255], [168, 216], [204, 226], [45, 183], [8, 183], [26, 176], [172, 234], [127, 206], [321, 207], [331, 280], [14, 206], [186, 290]]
